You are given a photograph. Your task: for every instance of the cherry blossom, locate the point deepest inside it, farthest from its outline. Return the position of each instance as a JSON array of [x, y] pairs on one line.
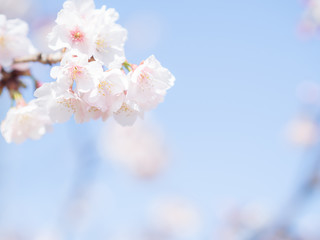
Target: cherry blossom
[[91, 31], [127, 115], [109, 93], [97, 93], [76, 67], [61, 104], [91, 81], [147, 86], [13, 40], [109, 38], [71, 31], [24, 122]]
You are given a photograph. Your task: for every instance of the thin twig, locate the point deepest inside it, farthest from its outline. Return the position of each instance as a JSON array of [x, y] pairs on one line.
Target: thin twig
[[41, 58]]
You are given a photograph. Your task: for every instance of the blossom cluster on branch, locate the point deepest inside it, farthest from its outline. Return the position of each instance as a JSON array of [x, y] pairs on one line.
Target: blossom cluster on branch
[[94, 79]]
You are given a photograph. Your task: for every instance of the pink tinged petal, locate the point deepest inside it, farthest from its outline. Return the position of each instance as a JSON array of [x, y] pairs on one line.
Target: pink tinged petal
[[109, 45], [83, 7], [57, 38], [76, 72], [109, 92], [94, 113], [77, 36], [62, 110], [56, 100], [126, 116], [82, 114]]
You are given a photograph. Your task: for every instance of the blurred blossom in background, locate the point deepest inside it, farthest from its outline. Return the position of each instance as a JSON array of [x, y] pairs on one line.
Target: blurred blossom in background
[[303, 131], [16, 8], [175, 217], [241, 222], [140, 148], [310, 22], [308, 92], [240, 125]]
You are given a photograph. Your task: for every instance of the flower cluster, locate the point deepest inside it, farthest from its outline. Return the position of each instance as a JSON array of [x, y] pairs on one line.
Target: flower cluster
[[93, 80]]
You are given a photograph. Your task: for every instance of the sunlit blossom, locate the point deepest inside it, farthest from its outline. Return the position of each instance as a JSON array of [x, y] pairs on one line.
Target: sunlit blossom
[[140, 148], [176, 217], [13, 40], [27, 121]]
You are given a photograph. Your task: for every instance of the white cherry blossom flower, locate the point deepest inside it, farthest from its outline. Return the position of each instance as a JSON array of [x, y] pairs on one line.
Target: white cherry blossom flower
[[127, 115], [109, 38], [147, 86], [61, 104], [109, 93], [75, 67], [74, 27], [96, 113], [104, 98], [24, 122], [72, 31], [13, 40], [91, 31]]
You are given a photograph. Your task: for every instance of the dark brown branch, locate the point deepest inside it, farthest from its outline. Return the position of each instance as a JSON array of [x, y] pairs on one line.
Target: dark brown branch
[[41, 58]]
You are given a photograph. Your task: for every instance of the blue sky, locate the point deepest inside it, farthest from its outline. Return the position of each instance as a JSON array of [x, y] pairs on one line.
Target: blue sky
[[237, 65]]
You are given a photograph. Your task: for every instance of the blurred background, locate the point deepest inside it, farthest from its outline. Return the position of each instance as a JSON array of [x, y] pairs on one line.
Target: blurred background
[[231, 154]]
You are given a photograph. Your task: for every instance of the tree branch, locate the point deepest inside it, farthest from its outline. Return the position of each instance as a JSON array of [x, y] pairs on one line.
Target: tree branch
[[41, 58]]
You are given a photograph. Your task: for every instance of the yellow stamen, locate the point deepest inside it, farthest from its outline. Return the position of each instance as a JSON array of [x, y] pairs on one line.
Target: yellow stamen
[[2, 42]]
